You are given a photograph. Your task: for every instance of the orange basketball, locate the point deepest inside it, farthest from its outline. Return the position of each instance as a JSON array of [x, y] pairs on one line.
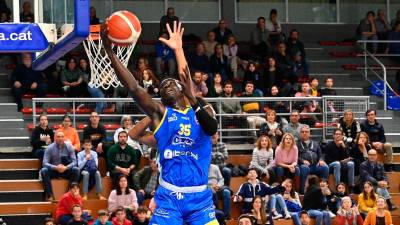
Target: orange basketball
[[123, 28]]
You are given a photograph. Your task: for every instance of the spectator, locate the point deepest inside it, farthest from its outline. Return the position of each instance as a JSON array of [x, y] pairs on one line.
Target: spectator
[[305, 90], [328, 89], [67, 201], [59, 161], [146, 181], [341, 192], [251, 107], [376, 134], [349, 125], [164, 58], [93, 17], [49, 221], [169, 18], [121, 217], [88, 163], [142, 65], [124, 197], [273, 127], [96, 133], [231, 50], [199, 87], [95, 92], [310, 159], [72, 79], [338, 158], [294, 45], [102, 218], [273, 26], [293, 126], [52, 76], [278, 106], [127, 125], [277, 206], [304, 218], [122, 159], [263, 158], [366, 30], [286, 156], [199, 60], [382, 28], [150, 83], [274, 76], [4, 9], [26, 15], [259, 39], [396, 19], [328, 198], [252, 74], [219, 63], [314, 203], [292, 201], [284, 63], [216, 88], [77, 216], [367, 199], [259, 211], [209, 44], [394, 35], [231, 107], [379, 215], [142, 216], [373, 172], [70, 134], [219, 155], [220, 191], [348, 215], [300, 66], [254, 187], [41, 137], [221, 32], [359, 150], [246, 219], [26, 80], [4, 17], [315, 91]]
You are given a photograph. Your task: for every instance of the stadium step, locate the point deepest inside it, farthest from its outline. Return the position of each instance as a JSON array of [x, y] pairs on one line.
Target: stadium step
[[18, 174], [10, 164], [20, 185], [24, 219], [21, 196]]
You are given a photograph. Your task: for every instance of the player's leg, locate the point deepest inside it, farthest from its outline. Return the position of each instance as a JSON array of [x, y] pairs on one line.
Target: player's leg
[[199, 209]]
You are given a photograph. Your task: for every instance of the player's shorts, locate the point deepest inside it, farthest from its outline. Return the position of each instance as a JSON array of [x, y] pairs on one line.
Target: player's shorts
[[175, 208]]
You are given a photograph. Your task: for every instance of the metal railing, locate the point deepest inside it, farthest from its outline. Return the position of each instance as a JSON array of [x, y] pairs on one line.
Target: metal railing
[[367, 67], [320, 112]]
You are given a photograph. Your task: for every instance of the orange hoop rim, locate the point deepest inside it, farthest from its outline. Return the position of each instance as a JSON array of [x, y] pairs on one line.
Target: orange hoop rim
[[95, 32]]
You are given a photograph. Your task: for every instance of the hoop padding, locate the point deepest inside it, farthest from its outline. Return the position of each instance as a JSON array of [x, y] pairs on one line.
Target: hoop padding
[[102, 73]]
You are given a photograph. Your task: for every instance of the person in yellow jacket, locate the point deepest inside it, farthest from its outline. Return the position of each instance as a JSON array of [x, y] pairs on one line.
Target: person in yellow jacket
[[367, 199]]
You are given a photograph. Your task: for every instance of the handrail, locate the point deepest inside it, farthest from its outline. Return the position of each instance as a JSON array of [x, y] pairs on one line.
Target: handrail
[[366, 67]]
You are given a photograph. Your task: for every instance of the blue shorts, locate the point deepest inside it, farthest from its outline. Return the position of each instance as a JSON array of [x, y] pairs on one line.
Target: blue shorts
[[175, 208]]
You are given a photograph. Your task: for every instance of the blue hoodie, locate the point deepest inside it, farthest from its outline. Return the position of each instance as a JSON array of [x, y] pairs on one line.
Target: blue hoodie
[[99, 223]]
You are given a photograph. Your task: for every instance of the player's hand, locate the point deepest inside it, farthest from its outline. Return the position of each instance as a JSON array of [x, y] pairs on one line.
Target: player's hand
[[175, 37], [104, 37]]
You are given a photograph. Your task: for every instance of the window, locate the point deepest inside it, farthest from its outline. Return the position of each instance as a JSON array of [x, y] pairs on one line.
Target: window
[[145, 10], [196, 11], [352, 11], [312, 11], [250, 10]]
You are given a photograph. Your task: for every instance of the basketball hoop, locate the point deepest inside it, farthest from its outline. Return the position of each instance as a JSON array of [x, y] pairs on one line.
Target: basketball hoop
[[102, 74]]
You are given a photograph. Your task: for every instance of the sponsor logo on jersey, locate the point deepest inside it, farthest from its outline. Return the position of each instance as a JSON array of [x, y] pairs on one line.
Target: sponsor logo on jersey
[[169, 154], [183, 141], [172, 118]]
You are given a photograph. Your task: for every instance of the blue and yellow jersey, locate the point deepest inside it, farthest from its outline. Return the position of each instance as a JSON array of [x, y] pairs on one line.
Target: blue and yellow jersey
[[184, 148]]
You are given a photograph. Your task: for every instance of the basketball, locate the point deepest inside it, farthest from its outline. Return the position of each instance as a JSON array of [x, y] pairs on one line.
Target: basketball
[[123, 28]]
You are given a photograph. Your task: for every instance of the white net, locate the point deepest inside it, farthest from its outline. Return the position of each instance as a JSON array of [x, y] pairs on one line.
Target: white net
[[102, 74]]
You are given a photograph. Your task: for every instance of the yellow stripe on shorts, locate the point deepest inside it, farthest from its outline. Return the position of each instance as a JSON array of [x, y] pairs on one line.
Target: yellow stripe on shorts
[[214, 222]]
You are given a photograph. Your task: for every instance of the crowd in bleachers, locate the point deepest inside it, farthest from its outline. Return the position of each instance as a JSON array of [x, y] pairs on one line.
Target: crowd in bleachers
[[275, 66]]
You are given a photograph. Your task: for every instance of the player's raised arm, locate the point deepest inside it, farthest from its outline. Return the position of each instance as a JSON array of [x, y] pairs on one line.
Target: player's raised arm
[[149, 106], [206, 119]]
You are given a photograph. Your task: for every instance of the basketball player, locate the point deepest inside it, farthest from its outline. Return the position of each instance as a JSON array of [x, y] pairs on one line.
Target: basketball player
[[183, 135]]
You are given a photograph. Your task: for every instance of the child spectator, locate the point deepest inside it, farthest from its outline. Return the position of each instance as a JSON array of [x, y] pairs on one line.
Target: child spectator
[[42, 136], [123, 197], [49, 221], [348, 215], [292, 202], [150, 83], [367, 199], [259, 211], [77, 216], [328, 89], [120, 217], [67, 201], [102, 218], [263, 157], [142, 216], [88, 164], [315, 91], [70, 134], [256, 77], [341, 192]]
